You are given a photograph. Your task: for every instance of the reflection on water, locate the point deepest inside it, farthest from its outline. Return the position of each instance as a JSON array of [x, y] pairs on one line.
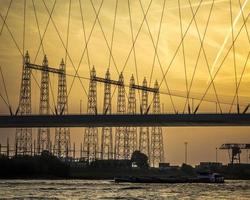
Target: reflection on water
[[88, 189]]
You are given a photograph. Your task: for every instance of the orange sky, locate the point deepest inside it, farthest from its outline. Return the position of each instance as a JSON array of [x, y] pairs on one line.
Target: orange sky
[[217, 42]]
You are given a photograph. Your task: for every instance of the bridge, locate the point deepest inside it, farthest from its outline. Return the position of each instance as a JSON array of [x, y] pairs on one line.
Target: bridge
[[167, 120], [180, 73]]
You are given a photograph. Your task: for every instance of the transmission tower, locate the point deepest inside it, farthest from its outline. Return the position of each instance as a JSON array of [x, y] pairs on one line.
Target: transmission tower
[[121, 135], [62, 135], [91, 133], [106, 145], [132, 131], [43, 138], [157, 151], [23, 137], [144, 131]]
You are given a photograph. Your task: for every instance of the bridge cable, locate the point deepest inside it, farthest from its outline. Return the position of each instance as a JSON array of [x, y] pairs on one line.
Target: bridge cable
[[106, 41], [183, 54], [57, 31], [171, 99], [6, 16], [67, 43], [24, 26], [234, 59], [113, 33], [243, 17], [86, 45], [157, 42], [134, 52], [176, 51], [204, 53], [45, 30], [84, 35], [228, 51], [41, 42], [238, 85], [139, 30], [14, 40], [6, 93], [201, 46], [104, 36]]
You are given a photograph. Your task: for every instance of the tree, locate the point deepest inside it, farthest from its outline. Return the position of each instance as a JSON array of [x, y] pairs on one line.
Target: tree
[[140, 159]]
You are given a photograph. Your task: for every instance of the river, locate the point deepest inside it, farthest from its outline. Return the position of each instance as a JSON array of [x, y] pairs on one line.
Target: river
[[98, 189]]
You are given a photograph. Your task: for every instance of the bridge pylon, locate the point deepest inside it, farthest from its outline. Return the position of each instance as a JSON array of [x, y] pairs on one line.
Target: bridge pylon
[[23, 136], [157, 151], [43, 136], [106, 137], [91, 133], [62, 143]]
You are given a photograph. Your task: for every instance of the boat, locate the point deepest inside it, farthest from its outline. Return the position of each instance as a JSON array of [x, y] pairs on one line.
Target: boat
[[202, 178]]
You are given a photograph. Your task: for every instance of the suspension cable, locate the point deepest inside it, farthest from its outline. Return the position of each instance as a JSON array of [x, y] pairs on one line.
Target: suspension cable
[[24, 24], [6, 16], [183, 54], [104, 36], [64, 47], [6, 93], [235, 38], [238, 85], [243, 17], [14, 40], [176, 51], [204, 52], [134, 52], [85, 48], [234, 60], [201, 48], [157, 42], [151, 36], [41, 42], [113, 34], [84, 35], [46, 27], [138, 32], [68, 27]]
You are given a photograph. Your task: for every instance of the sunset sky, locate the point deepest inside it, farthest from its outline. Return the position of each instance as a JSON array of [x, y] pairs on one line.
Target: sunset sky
[[213, 18]]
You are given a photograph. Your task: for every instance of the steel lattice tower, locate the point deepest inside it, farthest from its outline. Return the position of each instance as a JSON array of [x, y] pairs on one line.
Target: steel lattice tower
[[144, 131], [23, 137], [62, 135], [121, 135], [43, 137], [91, 133], [107, 141], [157, 151], [132, 131]]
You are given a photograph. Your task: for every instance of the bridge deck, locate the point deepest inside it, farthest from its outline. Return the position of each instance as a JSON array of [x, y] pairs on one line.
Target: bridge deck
[[173, 120]]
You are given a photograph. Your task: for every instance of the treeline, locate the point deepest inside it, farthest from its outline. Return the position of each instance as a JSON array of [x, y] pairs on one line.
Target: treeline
[[42, 166]]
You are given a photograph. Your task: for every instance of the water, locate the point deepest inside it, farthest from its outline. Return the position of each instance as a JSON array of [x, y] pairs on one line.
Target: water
[[89, 189]]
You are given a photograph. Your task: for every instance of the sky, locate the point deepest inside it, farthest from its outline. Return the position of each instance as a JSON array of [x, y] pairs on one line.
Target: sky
[[216, 25]]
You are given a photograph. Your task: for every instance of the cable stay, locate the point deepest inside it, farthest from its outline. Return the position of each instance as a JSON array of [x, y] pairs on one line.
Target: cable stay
[[238, 85], [85, 48], [228, 51], [151, 36], [183, 53], [65, 48], [6, 93], [6, 16], [200, 49], [179, 45], [234, 59]]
